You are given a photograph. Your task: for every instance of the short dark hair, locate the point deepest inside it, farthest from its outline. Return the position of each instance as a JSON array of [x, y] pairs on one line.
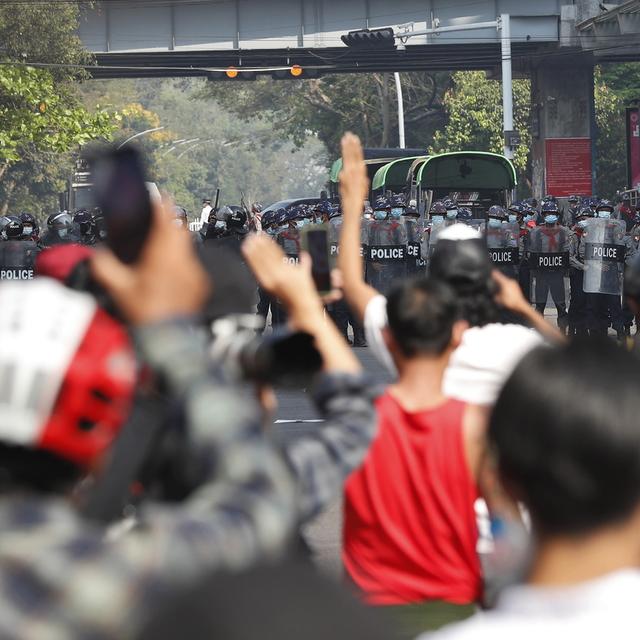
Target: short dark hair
[[421, 313], [566, 431]]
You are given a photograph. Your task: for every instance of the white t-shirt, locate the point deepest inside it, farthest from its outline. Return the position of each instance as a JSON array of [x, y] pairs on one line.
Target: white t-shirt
[[478, 367], [595, 610], [204, 215]]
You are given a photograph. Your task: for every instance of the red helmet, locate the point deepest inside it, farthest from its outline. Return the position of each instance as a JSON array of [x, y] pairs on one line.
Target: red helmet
[[73, 382]]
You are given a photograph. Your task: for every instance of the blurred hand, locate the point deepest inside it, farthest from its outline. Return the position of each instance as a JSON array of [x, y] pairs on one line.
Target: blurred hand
[[509, 294], [167, 280], [354, 183], [292, 284]]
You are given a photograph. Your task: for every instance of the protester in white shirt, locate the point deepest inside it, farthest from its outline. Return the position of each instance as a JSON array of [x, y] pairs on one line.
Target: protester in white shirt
[[206, 210], [489, 350], [567, 444]]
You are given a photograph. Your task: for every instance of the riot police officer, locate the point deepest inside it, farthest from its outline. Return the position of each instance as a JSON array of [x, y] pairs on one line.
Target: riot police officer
[[451, 211], [235, 231], [86, 227], [549, 261], [30, 226], [580, 308], [17, 255], [59, 230], [387, 247], [502, 240], [607, 305], [571, 214]]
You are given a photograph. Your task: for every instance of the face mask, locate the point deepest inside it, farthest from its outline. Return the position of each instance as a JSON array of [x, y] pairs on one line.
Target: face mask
[[494, 223], [28, 231], [220, 224], [379, 215], [582, 224], [300, 223], [396, 213], [551, 219], [62, 232], [272, 231], [437, 219], [604, 215], [451, 214], [512, 217], [528, 218]]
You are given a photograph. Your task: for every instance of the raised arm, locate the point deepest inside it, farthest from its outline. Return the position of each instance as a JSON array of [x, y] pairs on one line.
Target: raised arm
[[353, 192], [321, 461]]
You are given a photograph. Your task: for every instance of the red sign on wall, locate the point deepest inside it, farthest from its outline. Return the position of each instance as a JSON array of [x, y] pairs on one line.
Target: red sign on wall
[[568, 166], [633, 147]]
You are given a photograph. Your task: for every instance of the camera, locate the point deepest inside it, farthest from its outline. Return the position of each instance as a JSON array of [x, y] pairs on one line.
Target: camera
[[283, 358]]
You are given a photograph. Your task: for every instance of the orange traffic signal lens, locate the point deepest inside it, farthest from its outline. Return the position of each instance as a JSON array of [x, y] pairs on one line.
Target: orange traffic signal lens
[[232, 72], [296, 70]]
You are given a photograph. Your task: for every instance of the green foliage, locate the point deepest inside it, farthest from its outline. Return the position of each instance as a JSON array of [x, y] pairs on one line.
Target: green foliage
[[474, 107], [611, 156], [623, 79], [363, 103], [35, 114]]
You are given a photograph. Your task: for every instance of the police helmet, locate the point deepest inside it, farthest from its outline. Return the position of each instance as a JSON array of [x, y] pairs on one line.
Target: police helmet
[[518, 208], [604, 205], [223, 213], [398, 201], [464, 215], [85, 222], [268, 218], [381, 202], [323, 207], [449, 203], [237, 219], [585, 212], [14, 228], [4, 221], [438, 208], [549, 206], [548, 198], [573, 199], [59, 221], [29, 220], [496, 211]]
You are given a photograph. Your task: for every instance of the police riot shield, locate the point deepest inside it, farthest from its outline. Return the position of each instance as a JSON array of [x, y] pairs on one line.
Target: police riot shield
[[386, 256], [548, 257], [604, 256], [17, 259], [289, 240], [335, 228], [433, 234], [415, 261], [502, 244]]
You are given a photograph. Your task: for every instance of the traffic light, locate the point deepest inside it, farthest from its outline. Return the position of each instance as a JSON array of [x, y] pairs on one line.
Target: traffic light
[[370, 39]]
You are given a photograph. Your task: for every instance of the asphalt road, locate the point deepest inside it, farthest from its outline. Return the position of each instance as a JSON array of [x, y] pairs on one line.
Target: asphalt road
[[295, 408]]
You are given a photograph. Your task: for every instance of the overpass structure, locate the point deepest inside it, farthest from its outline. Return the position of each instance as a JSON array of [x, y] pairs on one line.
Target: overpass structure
[[554, 42]]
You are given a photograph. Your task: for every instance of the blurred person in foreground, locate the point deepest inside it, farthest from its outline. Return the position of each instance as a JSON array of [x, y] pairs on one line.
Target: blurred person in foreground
[[489, 350], [74, 379], [575, 465]]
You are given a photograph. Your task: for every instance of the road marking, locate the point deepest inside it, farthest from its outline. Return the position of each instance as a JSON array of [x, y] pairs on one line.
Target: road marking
[[296, 421]]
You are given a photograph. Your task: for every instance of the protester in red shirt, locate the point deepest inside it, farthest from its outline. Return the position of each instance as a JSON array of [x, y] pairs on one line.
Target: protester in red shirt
[[410, 528]]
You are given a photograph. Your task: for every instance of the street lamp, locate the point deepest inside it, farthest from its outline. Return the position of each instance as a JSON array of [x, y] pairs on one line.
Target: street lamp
[[137, 135]]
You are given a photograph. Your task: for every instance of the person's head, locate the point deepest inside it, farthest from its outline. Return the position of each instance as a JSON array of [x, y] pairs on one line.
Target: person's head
[[422, 320], [237, 219], [84, 222], [180, 217], [13, 230], [604, 209], [582, 218], [381, 208], [550, 212], [496, 216], [451, 207], [517, 212], [30, 228], [569, 448], [461, 260], [71, 387], [438, 211], [398, 204], [60, 223]]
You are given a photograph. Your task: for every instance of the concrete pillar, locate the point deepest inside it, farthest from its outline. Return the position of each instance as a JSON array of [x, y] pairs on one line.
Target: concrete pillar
[[562, 109]]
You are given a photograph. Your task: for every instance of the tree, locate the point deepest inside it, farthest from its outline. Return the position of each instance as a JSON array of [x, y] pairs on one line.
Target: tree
[[365, 103], [41, 119], [474, 108], [38, 117], [623, 79], [611, 156]]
